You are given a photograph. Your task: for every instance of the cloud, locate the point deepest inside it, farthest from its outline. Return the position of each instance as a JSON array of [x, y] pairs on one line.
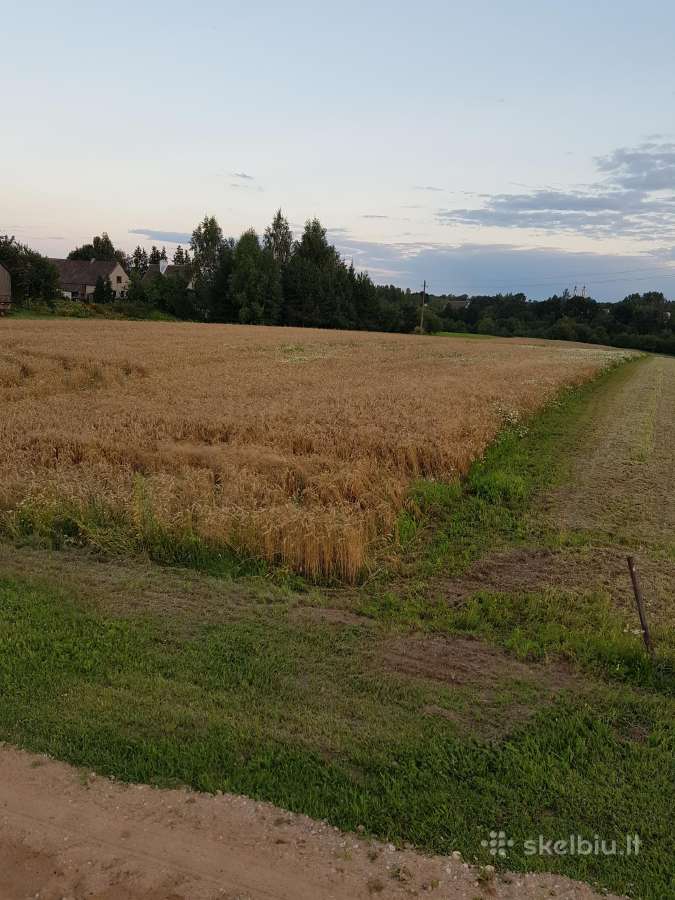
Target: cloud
[[427, 187], [491, 268], [245, 187], [636, 198], [649, 167], [243, 176], [373, 216], [170, 237]]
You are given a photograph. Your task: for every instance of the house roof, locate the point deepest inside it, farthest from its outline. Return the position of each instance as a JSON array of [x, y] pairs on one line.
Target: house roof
[[458, 304], [154, 270], [83, 271]]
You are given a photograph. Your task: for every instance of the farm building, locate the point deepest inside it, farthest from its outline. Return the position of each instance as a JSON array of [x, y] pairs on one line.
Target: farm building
[[163, 267], [5, 290], [458, 304], [77, 277]]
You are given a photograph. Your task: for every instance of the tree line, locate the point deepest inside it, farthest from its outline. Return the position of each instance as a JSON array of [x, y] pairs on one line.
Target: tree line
[[275, 279], [271, 280], [640, 321]]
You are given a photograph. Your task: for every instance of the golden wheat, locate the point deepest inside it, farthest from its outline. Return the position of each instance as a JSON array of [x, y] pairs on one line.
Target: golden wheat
[[291, 444]]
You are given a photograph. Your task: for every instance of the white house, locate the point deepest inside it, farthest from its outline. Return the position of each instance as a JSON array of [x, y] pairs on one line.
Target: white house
[[78, 277]]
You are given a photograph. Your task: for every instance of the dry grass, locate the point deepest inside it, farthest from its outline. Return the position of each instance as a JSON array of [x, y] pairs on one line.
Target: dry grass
[[294, 445]]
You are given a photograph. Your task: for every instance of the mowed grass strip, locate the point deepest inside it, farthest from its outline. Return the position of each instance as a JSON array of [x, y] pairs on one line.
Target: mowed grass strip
[[300, 714]]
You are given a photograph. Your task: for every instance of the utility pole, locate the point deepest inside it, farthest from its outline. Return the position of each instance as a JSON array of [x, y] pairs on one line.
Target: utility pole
[[424, 294]]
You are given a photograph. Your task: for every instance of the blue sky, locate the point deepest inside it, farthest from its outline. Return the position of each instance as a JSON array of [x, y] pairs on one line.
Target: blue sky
[[482, 145]]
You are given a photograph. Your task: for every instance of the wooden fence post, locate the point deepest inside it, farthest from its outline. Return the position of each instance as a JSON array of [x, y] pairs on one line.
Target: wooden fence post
[[639, 599]]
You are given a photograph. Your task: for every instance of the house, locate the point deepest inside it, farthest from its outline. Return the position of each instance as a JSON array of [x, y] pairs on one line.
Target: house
[[459, 304], [78, 277], [163, 267], [5, 290]]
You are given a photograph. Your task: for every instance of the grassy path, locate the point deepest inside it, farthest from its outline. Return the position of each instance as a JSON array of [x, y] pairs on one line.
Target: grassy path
[[622, 480]]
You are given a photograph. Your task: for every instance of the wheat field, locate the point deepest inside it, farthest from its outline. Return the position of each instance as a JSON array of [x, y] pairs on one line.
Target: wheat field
[[292, 445]]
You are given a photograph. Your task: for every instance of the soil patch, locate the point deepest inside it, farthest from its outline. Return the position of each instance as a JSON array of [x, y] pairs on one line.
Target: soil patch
[[485, 676], [601, 569], [99, 840]]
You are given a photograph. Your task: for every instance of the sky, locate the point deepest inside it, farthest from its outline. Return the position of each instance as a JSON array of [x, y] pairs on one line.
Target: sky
[[482, 146]]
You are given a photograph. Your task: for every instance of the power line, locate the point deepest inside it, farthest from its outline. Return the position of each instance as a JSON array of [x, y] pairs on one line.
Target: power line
[[567, 278]]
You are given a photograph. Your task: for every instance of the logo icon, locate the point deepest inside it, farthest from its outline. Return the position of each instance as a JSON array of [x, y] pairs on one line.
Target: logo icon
[[498, 843]]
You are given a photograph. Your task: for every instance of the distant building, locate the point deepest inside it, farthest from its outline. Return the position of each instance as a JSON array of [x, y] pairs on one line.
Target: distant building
[[78, 277], [163, 267], [5, 290], [458, 304]]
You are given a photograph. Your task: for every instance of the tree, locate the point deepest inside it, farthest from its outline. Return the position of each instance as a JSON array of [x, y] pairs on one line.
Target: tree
[[101, 247], [318, 289], [136, 293], [170, 293], [206, 245], [34, 277], [215, 299], [211, 269], [313, 245], [278, 240], [179, 256], [155, 256], [255, 282], [103, 292], [163, 255], [139, 260]]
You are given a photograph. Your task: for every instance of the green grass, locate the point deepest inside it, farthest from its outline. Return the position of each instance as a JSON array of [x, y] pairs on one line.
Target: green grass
[[583, 628], [79, 309], [463, 334], [299, 714]]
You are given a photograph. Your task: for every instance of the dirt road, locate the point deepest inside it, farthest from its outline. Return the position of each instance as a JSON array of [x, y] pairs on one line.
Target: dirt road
[[66, 834]]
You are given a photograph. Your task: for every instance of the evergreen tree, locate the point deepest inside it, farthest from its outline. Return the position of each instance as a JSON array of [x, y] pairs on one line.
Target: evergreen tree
[[255, 283], [179, 256], [136, 293], [317, 289], [155, 256], [216, 301], [99, 290], [139, 260]]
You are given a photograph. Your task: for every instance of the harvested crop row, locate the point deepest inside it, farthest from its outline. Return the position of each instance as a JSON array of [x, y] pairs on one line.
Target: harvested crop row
[[293, 445]]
